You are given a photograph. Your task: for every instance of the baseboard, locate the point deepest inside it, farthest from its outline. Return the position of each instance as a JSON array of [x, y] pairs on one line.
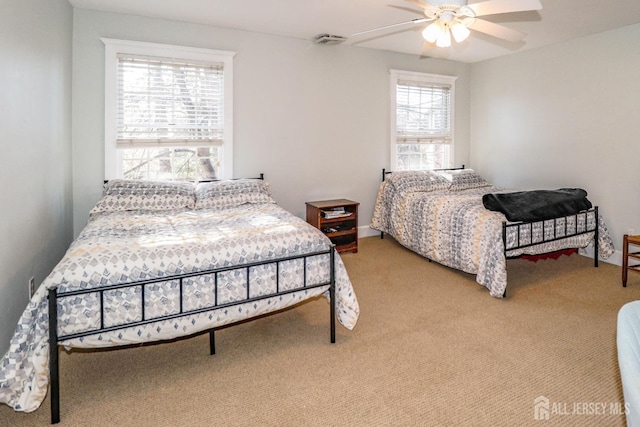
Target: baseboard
[[366, 231], [615, 258]]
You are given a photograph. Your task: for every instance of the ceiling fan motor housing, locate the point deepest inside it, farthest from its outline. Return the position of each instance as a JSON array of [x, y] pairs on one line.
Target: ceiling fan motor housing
[[448, 10], [448, 4]]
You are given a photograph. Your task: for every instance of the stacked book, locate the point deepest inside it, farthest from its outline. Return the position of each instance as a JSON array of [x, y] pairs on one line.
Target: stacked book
[[335, 213]]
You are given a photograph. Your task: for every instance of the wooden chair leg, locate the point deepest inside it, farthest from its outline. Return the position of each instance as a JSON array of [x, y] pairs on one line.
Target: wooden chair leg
[[625, 259]]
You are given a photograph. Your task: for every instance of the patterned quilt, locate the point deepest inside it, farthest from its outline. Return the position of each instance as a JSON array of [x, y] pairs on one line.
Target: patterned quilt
[[125, 246], [454, 229]]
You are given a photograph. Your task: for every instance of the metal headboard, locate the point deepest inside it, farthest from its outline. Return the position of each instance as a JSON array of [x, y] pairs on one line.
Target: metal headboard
[[261, 177], [386, 172]]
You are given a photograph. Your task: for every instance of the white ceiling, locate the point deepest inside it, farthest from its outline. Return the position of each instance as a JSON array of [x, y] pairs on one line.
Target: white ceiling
[[558, 21]]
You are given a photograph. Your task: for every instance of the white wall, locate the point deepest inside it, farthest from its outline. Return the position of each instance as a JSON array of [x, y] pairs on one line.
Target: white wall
[[564, 116], [314, 119], [35, 141]]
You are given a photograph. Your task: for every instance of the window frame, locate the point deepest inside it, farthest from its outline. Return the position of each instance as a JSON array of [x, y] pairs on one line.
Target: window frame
[[113, 47], [423, 79]]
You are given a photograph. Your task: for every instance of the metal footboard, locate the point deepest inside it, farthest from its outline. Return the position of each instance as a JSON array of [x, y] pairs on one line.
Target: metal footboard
[[55, 339], [559, 229]]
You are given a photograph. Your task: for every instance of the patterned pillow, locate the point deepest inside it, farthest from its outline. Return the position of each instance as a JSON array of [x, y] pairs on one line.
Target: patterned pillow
[[463, 179], [405, 182], [129, 194], [230, 193]]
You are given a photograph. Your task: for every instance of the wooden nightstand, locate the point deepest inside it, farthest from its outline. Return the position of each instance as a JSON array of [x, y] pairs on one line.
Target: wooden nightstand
[[341, 229], [627, 253]]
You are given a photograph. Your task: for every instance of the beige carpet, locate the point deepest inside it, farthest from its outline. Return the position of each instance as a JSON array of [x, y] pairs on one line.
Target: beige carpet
[[431, 348]]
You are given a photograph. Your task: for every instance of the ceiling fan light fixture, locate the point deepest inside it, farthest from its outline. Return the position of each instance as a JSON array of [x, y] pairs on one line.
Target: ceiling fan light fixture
[[456, 18], [460, 32], [444, 38], [431, 33]]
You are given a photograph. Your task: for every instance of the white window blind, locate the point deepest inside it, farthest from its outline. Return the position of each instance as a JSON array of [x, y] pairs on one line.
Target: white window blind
[[423, 113], [168, 111], [166, 102], [422, 120]]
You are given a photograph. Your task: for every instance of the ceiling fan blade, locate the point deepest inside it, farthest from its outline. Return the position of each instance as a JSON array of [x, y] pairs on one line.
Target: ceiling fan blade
[[495, 30], [413, 21], [494, 7]]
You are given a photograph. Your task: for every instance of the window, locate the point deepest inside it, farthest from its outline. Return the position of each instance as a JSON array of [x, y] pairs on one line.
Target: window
[[421, 120], [168, 112]]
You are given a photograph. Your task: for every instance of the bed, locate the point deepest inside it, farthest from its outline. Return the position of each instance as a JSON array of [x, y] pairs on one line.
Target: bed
[[441, 216], [159, 261]]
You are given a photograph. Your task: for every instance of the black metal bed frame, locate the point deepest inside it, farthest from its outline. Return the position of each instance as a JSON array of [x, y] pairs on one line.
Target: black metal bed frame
[[386, 172], [54, 295], [55, 339], [518, 226], [261, 177], [568, 232]]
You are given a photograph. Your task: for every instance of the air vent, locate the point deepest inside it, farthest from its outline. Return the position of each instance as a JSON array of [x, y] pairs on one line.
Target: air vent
[[328, 39]]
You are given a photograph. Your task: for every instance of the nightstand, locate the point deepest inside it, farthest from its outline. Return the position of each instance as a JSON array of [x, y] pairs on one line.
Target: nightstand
[[629, 251], [338, 220]]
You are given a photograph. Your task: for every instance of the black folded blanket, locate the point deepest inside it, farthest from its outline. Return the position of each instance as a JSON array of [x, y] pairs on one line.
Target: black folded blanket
[[537, 205]]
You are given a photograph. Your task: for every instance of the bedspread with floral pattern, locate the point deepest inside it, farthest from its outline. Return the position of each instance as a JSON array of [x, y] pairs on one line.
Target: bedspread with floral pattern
[[454, 229], [126, 246]]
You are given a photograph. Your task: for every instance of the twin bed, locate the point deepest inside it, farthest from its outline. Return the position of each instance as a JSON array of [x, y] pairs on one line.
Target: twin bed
[[158, 261], [441, 216]]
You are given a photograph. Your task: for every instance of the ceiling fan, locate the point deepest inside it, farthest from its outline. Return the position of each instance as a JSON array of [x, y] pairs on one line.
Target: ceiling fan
[[456, 17]]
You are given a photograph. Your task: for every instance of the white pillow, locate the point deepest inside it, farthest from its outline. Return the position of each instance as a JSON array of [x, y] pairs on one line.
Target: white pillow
[[130, 194], [230, 193], [405, 182], [463, 179]]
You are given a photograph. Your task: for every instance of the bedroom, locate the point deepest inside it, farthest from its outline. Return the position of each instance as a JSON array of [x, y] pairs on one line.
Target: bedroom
[[526, 120]]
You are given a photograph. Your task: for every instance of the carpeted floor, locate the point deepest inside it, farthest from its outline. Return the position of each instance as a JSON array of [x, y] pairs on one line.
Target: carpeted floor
[[431, 348]]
